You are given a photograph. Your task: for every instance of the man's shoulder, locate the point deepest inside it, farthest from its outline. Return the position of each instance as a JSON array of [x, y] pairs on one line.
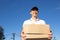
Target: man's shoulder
[[42, 21], [26, 21]]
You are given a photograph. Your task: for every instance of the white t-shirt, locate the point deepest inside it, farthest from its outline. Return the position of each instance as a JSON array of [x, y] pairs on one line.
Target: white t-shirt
[[32, 21]]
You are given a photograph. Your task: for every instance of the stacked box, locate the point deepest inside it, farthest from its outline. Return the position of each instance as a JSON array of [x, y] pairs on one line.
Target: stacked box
[[36, 31]]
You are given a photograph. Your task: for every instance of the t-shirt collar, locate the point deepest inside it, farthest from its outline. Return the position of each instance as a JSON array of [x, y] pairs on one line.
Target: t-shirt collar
[[34, 20]]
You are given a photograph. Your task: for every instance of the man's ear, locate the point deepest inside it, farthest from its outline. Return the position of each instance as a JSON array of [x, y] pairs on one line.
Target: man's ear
[[30, 12]]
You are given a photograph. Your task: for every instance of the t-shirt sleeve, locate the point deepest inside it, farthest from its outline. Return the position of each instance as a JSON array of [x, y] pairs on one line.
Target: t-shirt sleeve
[[25, 22], [42, 22]]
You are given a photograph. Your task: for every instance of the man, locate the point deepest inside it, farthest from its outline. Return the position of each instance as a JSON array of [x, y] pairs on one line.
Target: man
[[33, 20]]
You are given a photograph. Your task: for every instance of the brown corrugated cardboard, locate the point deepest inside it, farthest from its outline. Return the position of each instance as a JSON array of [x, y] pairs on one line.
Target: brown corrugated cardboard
[[36, 31]]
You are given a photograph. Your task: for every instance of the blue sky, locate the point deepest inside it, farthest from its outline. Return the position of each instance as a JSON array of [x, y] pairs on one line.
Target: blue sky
[[14, 12]]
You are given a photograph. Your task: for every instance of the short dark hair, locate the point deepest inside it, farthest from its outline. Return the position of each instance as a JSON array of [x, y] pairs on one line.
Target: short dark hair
[[34, 8]]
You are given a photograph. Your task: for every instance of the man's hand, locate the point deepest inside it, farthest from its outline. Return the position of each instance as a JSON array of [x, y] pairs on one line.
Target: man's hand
[[50, 35], [23, 35]]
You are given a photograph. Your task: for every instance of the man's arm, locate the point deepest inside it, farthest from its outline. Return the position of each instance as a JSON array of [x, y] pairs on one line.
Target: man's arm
[[22, 33]]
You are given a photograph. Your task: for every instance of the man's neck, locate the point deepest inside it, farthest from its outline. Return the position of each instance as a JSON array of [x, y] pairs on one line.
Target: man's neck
[[34, 18]]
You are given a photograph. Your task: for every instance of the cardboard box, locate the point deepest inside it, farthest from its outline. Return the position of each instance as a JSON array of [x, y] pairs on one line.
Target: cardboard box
[[36, 31]]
